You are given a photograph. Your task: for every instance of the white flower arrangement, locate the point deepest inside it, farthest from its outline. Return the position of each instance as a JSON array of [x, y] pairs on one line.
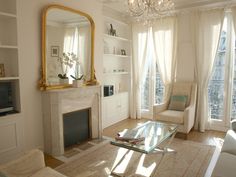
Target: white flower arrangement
[[67, 61]]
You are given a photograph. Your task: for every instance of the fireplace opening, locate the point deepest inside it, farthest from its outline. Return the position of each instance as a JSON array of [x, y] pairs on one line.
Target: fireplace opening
[[76, 127]]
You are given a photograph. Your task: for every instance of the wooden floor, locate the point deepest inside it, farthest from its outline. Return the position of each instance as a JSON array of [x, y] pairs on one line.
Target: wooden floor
[[209, 137]]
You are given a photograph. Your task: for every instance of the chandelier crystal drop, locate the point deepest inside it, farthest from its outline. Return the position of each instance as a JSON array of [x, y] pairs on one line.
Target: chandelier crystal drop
[[148, 9]]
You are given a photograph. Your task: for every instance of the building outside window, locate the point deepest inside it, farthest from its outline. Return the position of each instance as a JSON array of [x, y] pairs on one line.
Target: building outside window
[[222, 85], [152, 88]]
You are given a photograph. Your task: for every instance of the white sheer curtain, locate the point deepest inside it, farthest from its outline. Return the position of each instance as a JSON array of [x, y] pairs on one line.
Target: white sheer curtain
[[77, 39], [165, 44], [71, 40], [140, 33], [84, 51], [234, 18], [209, 28], [71, 44]]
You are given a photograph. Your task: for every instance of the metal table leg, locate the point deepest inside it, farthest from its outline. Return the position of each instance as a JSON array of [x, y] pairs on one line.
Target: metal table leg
[[164, 151]]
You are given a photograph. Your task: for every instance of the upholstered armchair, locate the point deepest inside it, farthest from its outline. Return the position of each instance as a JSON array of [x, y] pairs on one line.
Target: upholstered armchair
[[180, 106]]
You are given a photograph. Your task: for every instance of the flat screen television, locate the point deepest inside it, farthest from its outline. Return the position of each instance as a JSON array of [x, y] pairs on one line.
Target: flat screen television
[[6, 104]]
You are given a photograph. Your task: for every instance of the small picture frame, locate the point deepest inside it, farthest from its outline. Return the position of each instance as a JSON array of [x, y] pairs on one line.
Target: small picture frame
[[123, 52], [55, 51], [2, 70]]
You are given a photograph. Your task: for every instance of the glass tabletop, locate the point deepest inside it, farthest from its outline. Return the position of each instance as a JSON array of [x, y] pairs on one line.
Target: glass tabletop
[[146, 137]]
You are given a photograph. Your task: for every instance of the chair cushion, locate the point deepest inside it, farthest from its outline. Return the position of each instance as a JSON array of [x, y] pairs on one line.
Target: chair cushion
[[171, 116], [225, 166], [183, 88], [48, 172], [229, 145], [25, 165], [178, 102]]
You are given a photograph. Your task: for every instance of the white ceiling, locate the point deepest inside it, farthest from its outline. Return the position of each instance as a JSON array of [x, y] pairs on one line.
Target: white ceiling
[[119, 5]]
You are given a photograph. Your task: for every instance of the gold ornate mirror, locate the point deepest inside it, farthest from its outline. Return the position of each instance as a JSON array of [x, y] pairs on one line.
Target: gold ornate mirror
[[67, 48]]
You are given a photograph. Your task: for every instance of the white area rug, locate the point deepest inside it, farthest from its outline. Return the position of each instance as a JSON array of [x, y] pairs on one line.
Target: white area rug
[[191, 160]]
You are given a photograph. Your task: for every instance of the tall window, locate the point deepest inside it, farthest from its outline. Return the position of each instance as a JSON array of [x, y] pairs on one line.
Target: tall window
[[152, 88], [222, 85], [217, 82], [233, 102], [145, 92], [159, 88]]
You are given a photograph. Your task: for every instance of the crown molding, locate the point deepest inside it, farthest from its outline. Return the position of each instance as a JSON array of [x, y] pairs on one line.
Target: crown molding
[[186, 4], [179, 4]]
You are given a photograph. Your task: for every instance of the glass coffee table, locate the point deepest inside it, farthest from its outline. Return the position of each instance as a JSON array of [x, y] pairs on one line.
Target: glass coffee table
[[146, 138]]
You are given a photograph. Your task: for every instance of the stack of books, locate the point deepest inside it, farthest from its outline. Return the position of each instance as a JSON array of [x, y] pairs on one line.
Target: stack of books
[[130, 136]]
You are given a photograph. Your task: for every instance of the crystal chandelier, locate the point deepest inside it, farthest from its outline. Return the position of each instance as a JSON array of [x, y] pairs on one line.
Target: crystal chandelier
[[148, 9]]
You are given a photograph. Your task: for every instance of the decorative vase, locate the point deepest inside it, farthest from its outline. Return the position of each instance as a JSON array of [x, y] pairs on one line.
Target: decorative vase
[[78, 83], [64, 81]]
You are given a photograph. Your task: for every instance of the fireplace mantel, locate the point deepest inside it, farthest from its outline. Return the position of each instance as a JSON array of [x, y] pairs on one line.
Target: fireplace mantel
[[58, 102]]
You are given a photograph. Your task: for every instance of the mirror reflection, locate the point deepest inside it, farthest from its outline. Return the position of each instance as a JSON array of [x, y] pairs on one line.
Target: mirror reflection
[[68, 47]]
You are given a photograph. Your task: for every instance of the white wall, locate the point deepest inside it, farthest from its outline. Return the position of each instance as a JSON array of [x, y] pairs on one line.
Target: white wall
[[29, 32], [186, 48], [55, 38]]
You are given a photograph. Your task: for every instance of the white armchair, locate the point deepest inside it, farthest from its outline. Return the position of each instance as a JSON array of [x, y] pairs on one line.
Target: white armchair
[[184, 118]]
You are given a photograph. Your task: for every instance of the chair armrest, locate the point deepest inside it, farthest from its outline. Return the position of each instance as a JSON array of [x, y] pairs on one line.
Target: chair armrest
[[189, 112], [26, 165], [160, 108], [233, 124], [189, 118]]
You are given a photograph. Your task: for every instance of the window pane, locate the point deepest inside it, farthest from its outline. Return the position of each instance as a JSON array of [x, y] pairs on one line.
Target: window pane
[[216, 84], [159, 89], [145, 92], [233, 108]]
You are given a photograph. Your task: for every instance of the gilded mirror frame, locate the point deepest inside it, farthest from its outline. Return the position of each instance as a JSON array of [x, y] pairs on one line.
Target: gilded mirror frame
[[43, 81]]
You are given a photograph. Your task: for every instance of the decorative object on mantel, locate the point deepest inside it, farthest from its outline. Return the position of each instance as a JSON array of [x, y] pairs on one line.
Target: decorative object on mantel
[[149, 9], [112, 31], [78, 82], [64, 80], [2, 70]]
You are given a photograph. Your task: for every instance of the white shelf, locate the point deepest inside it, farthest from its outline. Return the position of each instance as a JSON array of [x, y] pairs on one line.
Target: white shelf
[[8, 47], [116, 38], [4, 14], [116, 73], [8, 78], [115, 55]]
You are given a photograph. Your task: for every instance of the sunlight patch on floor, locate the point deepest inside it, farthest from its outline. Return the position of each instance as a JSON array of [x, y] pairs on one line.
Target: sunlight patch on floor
[[218, 142], [120, 169], [100, 163], [107, 171], [145, 171]]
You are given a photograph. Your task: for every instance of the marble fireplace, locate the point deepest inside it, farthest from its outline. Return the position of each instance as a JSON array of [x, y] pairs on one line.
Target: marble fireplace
[[56, 103]]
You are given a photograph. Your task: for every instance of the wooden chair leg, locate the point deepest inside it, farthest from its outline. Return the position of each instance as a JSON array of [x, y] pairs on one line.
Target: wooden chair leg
[[181, 136]]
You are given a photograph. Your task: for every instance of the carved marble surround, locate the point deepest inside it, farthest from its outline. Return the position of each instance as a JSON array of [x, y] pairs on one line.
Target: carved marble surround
[[58, 102]]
